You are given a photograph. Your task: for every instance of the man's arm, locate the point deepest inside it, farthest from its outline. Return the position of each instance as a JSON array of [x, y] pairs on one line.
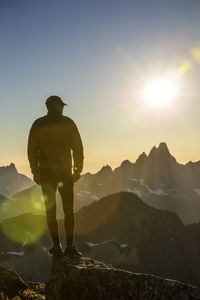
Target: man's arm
[[77, 148], [33, 151]]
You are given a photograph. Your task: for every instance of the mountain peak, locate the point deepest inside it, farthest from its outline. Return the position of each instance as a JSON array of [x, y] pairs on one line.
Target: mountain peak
[[153, 151], [125, 163], [105, 170], [10, 169], [163, 147], [141, 158]]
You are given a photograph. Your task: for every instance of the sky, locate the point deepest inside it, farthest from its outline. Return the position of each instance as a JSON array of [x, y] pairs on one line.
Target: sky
[[99, 56]]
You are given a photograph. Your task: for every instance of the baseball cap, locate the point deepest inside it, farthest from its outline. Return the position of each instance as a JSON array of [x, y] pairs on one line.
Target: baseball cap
[[53, 100]]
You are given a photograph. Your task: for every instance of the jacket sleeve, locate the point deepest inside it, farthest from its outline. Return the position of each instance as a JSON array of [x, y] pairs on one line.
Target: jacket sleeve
[[32, 150], [77, 148]]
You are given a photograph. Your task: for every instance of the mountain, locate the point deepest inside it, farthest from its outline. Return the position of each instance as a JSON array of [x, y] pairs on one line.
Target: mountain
[[11, 181], [157, 178], [119, 229], [123, 230]]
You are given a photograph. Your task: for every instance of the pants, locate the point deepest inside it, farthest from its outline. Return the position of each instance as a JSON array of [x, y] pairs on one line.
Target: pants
[[49, 184]]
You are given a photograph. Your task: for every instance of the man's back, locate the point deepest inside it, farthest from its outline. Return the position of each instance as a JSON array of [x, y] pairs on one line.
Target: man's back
[[51, 139]]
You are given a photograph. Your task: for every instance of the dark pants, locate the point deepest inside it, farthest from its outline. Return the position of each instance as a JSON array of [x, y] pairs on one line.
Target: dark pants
[[49, 184]]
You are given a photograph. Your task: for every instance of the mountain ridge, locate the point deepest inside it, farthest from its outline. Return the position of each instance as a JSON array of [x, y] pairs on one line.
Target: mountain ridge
[[157, 178]]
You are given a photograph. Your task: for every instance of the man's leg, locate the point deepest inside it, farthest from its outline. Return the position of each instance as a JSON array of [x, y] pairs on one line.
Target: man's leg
[[66, 191], [49, 193]]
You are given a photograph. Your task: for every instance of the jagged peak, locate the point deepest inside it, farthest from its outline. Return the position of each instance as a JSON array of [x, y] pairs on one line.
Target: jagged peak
[[9, 168], [193, 163], [126, 163], [12, 166], [163, 147], [141, 158], [105, 169], [153, 150]]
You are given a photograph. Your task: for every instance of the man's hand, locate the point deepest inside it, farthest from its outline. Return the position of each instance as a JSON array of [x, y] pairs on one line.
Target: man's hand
[[76, 176], [36, 178]]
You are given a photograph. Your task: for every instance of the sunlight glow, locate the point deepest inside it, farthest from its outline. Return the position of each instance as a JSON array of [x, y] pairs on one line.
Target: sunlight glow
[[195, 52], [160, 91]]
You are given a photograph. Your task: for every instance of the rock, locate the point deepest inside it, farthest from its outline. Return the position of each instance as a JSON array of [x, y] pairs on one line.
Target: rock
[[86, 279], [10, 282], [13, 286]]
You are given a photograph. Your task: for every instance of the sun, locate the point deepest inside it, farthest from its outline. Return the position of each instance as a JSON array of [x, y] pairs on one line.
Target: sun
[[160, 91]]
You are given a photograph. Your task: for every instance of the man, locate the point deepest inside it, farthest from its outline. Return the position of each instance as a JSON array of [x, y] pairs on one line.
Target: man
[[51, 140]]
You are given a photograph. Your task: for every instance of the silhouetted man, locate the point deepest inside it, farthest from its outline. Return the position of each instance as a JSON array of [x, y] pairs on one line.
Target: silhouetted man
[[51, 140]]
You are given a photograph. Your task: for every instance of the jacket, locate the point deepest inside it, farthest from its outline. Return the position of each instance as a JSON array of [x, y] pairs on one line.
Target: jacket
[[51, 142]]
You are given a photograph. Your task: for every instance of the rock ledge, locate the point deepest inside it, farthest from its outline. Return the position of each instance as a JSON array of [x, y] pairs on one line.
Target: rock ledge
[[87, 278]]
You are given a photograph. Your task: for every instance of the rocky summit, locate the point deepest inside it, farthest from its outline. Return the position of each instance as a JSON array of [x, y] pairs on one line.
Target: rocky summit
[[86, 279]]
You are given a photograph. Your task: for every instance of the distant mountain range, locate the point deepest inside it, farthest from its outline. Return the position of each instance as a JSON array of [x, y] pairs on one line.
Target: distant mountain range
[[12, 182], [157, 178], [119, 229]]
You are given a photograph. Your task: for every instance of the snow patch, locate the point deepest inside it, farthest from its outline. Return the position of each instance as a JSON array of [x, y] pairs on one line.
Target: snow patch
[[159, 191], [133, 179], [92, 244], [125, 189], [104, 242], [85, 192], [134, 190], [97, 244], [123, 245], [19, 253], [137, 192]]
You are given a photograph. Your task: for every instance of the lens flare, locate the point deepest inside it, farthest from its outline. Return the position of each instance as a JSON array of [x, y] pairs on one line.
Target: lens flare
[[185, 67], [24, 229], [195, 52]]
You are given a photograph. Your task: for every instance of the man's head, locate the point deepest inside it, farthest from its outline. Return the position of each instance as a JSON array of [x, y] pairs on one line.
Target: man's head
[[55, 104]]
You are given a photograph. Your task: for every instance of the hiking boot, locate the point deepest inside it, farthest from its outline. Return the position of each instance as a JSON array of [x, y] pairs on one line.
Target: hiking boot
[[71, 251], [56, 250]]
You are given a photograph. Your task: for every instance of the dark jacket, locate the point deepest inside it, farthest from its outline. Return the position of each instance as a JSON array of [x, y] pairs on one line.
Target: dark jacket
[[51, 139]]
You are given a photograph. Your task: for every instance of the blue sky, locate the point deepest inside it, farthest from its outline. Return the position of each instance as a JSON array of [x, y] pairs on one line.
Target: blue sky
[[95, 55]]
